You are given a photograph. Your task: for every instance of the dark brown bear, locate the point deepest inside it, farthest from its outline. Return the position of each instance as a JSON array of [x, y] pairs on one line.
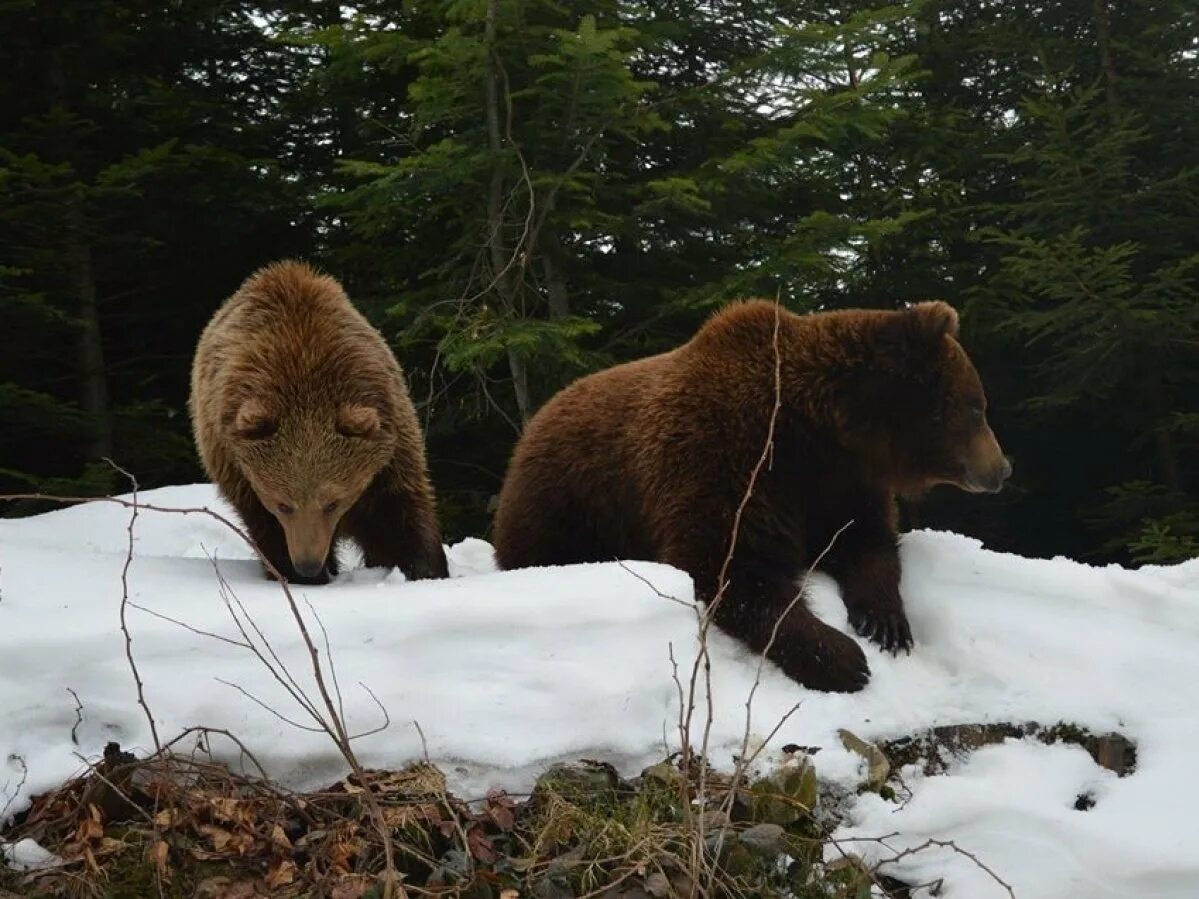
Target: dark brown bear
[[650, 460], [303, 420]]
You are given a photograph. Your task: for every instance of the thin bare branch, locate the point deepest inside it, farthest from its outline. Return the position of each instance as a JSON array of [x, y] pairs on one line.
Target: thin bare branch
[[78, 717], [137, 678], [254, 699]]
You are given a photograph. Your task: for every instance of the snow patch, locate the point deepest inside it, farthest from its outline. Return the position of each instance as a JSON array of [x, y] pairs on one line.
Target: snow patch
[[507, 672]]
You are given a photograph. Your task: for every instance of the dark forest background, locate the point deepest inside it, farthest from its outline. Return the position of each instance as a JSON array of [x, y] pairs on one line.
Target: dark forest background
[[521, 191]]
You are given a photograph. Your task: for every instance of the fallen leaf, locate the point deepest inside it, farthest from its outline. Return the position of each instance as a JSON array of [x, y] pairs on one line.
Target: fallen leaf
[[480, 846], [108, 846], [282, 874], [219, 836], [243, 889], [231, 811], [502, 816], [89, 829], [159, 853], [353, 886], [211, 888], [279, 838]]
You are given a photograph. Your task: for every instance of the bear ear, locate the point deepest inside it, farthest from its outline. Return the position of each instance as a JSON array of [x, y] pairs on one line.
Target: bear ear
[[935, 318], [910, 340], [356, 420], [253, 421]]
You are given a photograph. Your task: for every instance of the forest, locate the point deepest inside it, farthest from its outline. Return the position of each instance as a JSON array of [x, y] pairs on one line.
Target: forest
[[518, 192]]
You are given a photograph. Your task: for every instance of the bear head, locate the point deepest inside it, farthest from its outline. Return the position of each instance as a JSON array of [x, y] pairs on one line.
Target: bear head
[[918, 406], [309, 463]]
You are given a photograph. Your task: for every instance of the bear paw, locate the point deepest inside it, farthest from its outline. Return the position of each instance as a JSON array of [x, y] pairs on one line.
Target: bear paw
[[830, 662], [888, 628]]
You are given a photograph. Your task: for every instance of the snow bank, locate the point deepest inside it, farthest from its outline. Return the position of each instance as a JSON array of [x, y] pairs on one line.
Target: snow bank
[[507, 672]]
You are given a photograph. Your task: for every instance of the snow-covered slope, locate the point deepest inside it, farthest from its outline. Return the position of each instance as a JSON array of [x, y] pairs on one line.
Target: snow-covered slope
[[506, 672]]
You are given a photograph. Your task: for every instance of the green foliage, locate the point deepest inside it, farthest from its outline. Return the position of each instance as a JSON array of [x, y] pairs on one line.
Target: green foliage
[[522, 191]]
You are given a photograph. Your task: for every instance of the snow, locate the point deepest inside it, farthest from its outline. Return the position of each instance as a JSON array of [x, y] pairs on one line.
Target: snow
[[27, 855], [507, 672]]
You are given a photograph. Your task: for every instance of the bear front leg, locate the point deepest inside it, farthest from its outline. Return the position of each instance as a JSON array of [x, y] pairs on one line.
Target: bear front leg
[[818, 656], [864, 561], [760, 594], [394, 532], [266, 532]]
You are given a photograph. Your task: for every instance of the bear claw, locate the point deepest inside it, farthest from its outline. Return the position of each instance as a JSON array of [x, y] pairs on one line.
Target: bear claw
[[890, 630]]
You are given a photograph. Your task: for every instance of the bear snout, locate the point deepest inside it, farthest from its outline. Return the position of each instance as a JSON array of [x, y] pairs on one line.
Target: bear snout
[[989, 479], [308, 567], [985, 467], [994, 482]]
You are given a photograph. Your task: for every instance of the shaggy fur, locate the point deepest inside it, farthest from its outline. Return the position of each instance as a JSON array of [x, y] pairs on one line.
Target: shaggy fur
[[649, 460], [303, 420]]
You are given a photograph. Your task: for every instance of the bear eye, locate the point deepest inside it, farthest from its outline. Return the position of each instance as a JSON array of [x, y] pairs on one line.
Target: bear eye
[[329, 507], [285, 509]]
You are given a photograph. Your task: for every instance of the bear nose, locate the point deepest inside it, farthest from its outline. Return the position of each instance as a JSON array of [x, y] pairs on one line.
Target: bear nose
[[998, 476], [308, 567]]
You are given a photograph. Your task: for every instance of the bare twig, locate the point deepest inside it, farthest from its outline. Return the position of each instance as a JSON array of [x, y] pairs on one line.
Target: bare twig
[[382, 708], [20, 760], [137, 678], [207, 732], [656, 591], [258, 702], [78, 717], [187, 627], [341, 709], [424, 744], [951, 845]]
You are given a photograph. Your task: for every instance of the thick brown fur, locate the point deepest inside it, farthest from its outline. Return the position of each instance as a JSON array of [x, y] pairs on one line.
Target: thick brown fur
[[303, 420], [649, 460]]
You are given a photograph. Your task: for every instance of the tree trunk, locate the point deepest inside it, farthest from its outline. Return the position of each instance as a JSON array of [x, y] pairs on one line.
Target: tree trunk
[[520, 385], [93, 379], [1103, 35], [1164, 444], [555, 277], [81, 288], [501, 278], [495, 190]]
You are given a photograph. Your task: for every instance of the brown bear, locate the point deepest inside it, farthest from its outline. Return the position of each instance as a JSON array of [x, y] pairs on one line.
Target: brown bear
[[651, 460], [302, 418]]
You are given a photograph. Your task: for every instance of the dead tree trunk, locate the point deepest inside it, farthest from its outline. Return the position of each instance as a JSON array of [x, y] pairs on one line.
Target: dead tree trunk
[[93, 378], [555, 277], [502, 280], [80, 284]]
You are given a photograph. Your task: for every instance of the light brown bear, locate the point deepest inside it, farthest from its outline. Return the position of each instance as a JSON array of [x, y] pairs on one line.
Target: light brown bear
[[303, 421], [651, 460]]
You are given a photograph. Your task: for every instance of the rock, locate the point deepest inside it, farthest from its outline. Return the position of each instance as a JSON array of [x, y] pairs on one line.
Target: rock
[[1116, 753], [876, 760], [787, 795], [657, 885], [578, 779], [548, 889], [663, 773], [764, 839]]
